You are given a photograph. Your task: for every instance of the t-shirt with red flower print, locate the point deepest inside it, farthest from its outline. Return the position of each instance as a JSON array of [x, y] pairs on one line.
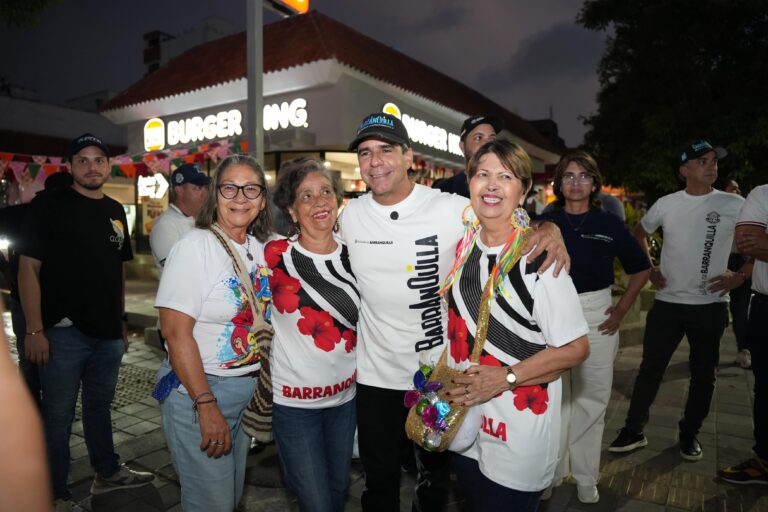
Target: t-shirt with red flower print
[[199, 281], [517, 445], [315, 305]]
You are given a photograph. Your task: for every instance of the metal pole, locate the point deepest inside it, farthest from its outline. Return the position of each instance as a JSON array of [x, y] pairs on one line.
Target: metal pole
[[255, 40]]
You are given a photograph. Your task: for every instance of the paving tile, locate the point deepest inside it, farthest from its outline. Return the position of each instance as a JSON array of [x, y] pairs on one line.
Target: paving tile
[[142, 428]]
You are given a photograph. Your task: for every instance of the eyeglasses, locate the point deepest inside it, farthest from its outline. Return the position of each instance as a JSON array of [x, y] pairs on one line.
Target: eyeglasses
[[230, 190], [577, 178]]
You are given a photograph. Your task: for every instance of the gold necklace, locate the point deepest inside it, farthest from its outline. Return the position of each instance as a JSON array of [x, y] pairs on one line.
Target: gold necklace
[[568, 218]]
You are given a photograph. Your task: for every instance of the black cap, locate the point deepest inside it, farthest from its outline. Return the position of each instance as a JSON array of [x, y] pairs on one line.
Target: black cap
[[383, 126], [698, 148], [473, 122], [84, 141], [189, 173]]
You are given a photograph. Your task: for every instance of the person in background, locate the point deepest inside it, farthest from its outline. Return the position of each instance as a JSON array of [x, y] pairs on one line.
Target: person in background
[[752, 240], [71, 281], [691, 284], [314, 314], [535, 331], [594, 238], [213, 320], [12, 229], [475, 131], [190, 190], [739, 304]]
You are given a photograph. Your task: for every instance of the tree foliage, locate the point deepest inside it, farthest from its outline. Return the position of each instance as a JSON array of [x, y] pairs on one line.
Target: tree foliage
[[675, 71], [19, 13]]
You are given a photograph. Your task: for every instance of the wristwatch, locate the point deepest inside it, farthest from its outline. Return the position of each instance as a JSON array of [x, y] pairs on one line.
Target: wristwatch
[[511, 378]]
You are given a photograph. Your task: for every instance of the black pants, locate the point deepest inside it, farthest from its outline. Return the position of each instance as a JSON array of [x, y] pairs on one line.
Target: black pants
[[757, 334], [665, 327], [381, 435], [739, 303]]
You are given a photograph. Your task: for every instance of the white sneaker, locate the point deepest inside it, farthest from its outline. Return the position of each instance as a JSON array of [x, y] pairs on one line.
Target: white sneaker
[[744, 358], [587, 493]]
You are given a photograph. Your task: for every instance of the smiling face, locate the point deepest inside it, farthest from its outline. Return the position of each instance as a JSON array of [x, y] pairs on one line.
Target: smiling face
[[239, 212], [384, 168], [495, 191], [316, 206], [479, 135]]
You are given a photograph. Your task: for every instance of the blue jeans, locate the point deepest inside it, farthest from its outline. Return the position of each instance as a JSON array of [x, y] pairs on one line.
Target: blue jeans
[[207, 484], [485, 494], [315, 447], [75, 358]]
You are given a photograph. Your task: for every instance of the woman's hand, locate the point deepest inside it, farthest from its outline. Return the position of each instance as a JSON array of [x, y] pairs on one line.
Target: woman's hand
[[216, 439], [613, 322], [479, 384]]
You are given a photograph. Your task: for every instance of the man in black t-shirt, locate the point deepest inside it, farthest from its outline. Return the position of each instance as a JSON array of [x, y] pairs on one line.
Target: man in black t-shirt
[[71, 283], [475, 131]]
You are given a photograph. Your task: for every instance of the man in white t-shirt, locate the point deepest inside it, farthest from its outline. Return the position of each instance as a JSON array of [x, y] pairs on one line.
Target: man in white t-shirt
[[752, 240], [190, 189], [401, 239], [692, 283]]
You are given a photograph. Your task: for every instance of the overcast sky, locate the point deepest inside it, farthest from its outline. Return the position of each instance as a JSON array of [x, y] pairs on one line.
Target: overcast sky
[[528, 56]]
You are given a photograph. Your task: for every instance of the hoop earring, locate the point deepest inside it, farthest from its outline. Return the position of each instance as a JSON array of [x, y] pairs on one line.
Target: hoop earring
[[520, 218]]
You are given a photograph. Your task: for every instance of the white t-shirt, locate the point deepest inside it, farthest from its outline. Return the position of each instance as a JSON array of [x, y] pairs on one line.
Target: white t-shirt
[[517, 446], [400, 264], [199, 281], [315, 306], [755, 213], [698, 233], [168, 229]]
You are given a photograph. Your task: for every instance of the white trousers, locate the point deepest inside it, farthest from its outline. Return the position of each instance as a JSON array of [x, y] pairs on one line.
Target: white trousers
[[586, 391]]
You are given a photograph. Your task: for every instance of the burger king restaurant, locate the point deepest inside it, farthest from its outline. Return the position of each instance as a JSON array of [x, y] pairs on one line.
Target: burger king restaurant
[[320, 79]]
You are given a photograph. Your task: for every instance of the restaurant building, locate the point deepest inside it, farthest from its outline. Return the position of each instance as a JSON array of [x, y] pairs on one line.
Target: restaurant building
[[320, 79]]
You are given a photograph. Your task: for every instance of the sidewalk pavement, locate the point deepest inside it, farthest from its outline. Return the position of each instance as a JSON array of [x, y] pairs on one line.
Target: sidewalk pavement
[[653, 479]]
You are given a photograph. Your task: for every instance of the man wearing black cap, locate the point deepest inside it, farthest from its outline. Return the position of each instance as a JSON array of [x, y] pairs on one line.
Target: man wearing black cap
[[475, 131], [71, 284], [691, 282], [190, 189], [401, 239]]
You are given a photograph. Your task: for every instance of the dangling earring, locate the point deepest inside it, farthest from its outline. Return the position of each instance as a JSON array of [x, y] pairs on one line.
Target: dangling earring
[[520, 218], [337, 226]]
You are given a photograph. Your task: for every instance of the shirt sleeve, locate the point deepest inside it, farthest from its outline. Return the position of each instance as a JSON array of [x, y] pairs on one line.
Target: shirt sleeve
[[631, 256], [652, 220], [557, 309], [33, 243], [754, 212], [185, 280], [161, 240]]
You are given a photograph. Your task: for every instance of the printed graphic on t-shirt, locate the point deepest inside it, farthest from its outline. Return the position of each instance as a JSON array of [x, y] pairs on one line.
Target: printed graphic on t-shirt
[[237, 347], [425, 280], [119, 236]]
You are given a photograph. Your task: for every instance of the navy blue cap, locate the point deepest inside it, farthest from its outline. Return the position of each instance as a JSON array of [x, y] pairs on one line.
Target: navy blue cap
[[473, 122], [698, 148], [381, 125], [189, 173], [84, 141]]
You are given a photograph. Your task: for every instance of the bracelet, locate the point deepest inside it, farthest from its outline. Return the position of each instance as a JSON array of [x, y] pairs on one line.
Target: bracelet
[[34, 333], [197, 402]]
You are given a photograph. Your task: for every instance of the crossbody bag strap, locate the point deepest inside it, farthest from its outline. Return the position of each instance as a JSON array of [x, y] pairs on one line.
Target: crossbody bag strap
[[239, 267]]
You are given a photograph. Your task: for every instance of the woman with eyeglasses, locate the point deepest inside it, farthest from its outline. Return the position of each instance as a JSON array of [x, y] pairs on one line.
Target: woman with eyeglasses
[[213, 305], [593, 238], [314, 313]]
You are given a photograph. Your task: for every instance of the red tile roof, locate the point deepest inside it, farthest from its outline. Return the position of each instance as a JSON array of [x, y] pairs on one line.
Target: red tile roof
[[302, 39]]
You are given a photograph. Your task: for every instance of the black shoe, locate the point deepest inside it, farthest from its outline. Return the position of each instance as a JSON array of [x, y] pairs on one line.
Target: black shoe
[[690, 449], [627, 441]]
